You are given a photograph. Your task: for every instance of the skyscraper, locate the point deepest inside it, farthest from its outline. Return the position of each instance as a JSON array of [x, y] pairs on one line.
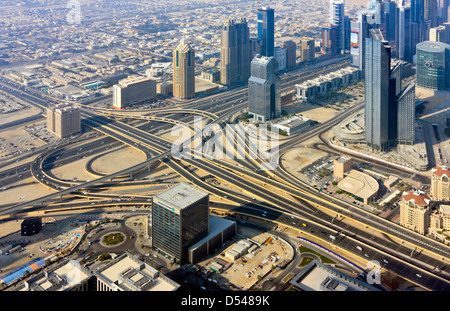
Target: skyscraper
[[404, 40], [337, 18], [291, 53], [430, 12], [264, 89], [366, 20], [406, 115], [266, 30], [433, 65], [235, 53], [180, 218], [377, 73], [308, 47], [184, 71], [329, 40], [390, 8]]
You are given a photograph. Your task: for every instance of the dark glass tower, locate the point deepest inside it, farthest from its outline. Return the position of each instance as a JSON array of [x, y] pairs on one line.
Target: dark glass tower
[[235, 53], [264, 89], [266, 30], [180, 218], [377, 74]]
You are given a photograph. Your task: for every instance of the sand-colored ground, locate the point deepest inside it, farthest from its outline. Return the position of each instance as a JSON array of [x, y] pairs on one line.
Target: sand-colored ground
[[296, 159], [21, 114], [24, 193], [118, 160], [313, 112], [73, 170]]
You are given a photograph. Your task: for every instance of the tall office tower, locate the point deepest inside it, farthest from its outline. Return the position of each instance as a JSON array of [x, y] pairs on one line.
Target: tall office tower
[[433, 65], [337, 18], [264, 89], [366, 20], [329, 40], [308, 48], [417, 16], [255, 47], [415, 211], [180, 218], [430, 10], [291, 53], [133, 90], [235, 52], [63, 120], [390, 12], [442, 11], [403, 37], [397, 70], [406, 105], [377, 73], [440, 183], [184, 71], [266, 30], [392, 112], [280, 57]]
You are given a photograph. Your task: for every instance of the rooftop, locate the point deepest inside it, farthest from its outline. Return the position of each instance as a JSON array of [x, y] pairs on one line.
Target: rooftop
[[419, 198], [441, 171], [359, 184], [181, 196]]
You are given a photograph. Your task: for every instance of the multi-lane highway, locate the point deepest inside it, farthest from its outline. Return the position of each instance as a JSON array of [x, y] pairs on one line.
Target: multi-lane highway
[[288, 197]]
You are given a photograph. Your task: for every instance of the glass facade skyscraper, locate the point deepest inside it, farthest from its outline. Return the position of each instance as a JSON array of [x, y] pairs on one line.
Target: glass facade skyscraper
[[264, 89], [337, 18], [235, 53], [406, 108], [180, 218], [376, 74], [266, 30], [433, 65]]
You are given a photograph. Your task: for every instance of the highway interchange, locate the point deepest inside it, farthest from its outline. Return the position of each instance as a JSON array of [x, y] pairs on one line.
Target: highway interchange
[[291, 202]]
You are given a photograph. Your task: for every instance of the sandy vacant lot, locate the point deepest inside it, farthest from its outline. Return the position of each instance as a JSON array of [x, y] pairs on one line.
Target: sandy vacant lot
[[24, 193], [313, 112], [118, 160]]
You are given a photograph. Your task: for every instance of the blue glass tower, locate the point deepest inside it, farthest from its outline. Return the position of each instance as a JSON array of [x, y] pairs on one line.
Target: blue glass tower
[[377, 74], [266, 30]]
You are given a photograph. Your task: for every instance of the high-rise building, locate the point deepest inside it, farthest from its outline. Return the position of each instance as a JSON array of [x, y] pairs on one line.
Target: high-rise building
[[308, 49], [329, 40], [377, 74], [440, 183], [433, 65], [235, 53], [406, 106], [266, 30], [280, 56], [430, 11], [404, 38], [415, 211], [337, 18], [390, 12], [184, 71], [366, 20], [63, 120], [255, 47], [417, 16], [180, 218], [133, 90], [291, 53], [264, 89]]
